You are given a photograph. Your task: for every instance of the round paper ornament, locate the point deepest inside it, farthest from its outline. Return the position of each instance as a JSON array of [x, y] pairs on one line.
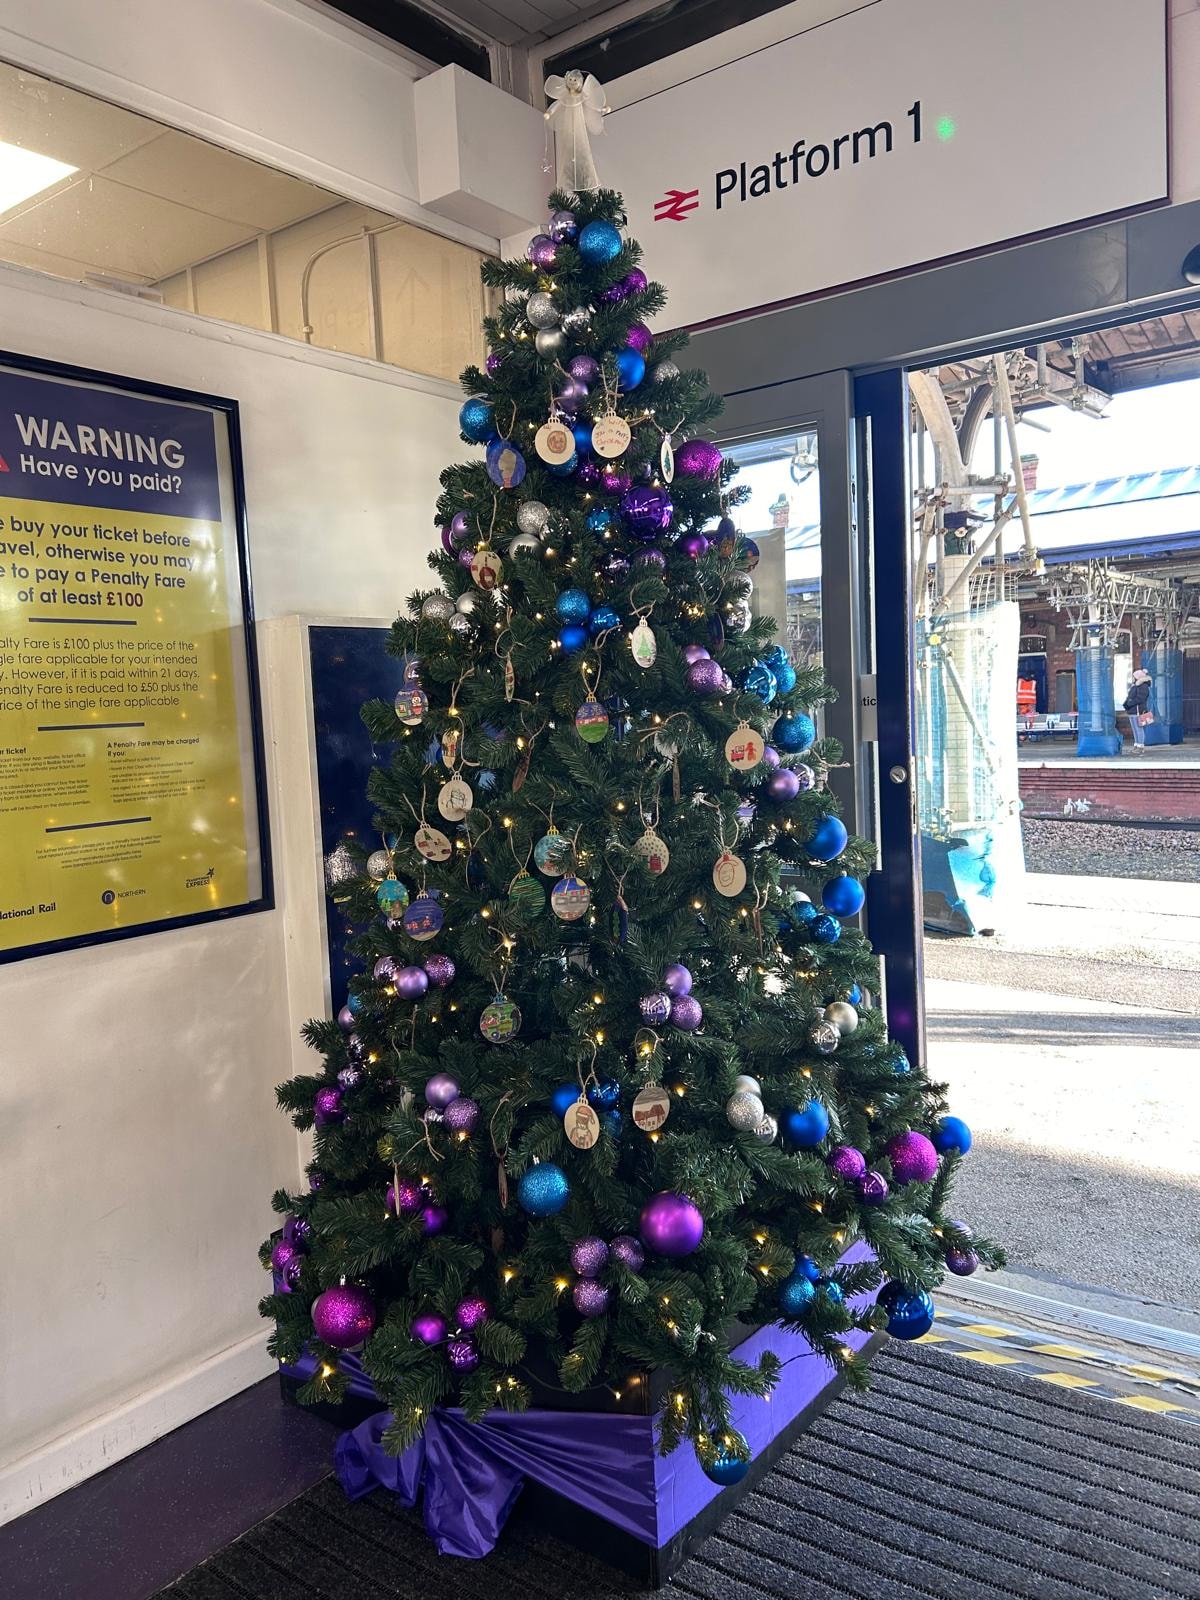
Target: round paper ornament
[[643, 644], [651, 1108], [391, 896], [423, 919], [411, 706], [552, 853], [581, 1124], [611, 436], [500, 1021], [527, 892], [653, 851], [591, 721], [570, 898], [729, 874], [505, 464], [486, 568], [432, 843], [744, 748], [554, 442], [455, 800]]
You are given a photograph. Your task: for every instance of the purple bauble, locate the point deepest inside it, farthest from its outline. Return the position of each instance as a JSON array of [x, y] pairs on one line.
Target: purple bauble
[[285, 1253], [428, 1328], [441, 1090], [327, 1106], [572, 395], [676, 980], [346, 1019], [614, 294], [462, 1355], [541, 250], [562, 225], [411, 1197], [695, 652], [913, 1158], [694, 545], [585, 368], [771, 757], [411, 982], [471, 1313], [628, 1251], [847, 1162], [615, 480], [343, 1316], [316, 1179], [298, 1231], [460, 529], [647, 512], [639, 337], [440, 971], [589, 475], [962, 1263], [493, 363], [589, 1257], [590, 1297], [655, 1009], [355, 1048], [465, 558], [686, 1013], [348, 1077], [872, 1188], [670, 1225], [434, 1219], [635, 281], [651, 560], [705, 677], [615, 567], [698, 458], [462, 1115], [783, 784], [805, 776], [384, 970]]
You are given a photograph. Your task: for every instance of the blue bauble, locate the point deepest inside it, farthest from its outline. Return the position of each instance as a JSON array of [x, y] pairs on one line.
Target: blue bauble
[[901, 1065], [855, 995], [563, 1098], [776, 657], [794, 733], [725, 1467], [804, 1129], [828, 840], [573, 605], [809, 1268], [543, 1191], [795, 1294], [605, 1094], [909, 1311], [785, 677], [802, 912], [611, 1121], [600, 518], [476, 421], [825, 929], [572, 638], [833, 1292], [631, 369], [599, 243], [564, 469], [951, 1134], [356, 1004], [760, 680], [601, 620], [843, 896], [582, 429]]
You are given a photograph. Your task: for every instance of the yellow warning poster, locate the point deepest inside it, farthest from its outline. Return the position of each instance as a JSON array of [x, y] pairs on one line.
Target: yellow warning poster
[[128, 792]]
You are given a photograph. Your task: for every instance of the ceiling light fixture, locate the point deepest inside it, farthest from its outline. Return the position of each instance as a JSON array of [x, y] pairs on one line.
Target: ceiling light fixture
[[24, 173]]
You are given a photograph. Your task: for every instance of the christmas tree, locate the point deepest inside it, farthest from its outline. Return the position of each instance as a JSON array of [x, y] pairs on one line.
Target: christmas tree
[[610, 1081]]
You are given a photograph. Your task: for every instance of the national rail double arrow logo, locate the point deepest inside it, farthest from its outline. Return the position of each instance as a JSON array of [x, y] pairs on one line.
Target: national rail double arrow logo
[[675, 205]]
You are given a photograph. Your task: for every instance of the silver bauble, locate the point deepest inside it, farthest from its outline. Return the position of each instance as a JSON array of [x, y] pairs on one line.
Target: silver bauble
[[461, 625], [843, 1016], [532, 516], [541, 311], [663, 372], [524, 544], [825, 1037], [577, 320], [379, 864], [340, 866], [744, 1084], [437, 608], [548, 342], [767, 1131], [744, 1112], [739, 617], [467, 603]]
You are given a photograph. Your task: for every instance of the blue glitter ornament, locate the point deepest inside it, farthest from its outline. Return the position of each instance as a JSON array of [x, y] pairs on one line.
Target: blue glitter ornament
[[802, 912], [785, 677], [901, 1065], [795, 1294], [828, 839], [604, 1095], [631, 369], [825, 929], [564, 469], [909, 1311], [602, 619], [760, 680], [600, 518], [544, 1190], [725, 1466], [582, 429], [951, 1134], [843, 896], [563, 1098], [356, 1004], [804, 1129], [573, 605], [776, 657], [476, 421], [599, 243], [794, 733], [572, 639], [809, 1268]]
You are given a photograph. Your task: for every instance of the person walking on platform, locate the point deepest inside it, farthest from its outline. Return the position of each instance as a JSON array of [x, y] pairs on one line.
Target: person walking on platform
[[1137, 704]]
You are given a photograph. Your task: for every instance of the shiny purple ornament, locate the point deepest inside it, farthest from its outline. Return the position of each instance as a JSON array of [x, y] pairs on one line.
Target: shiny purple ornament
[[493, 363], [962, 1263], [441, 1090], [327, 1107], [460, 530], [615, 480], [572, 395], [411, 982], [348, 1077], [462, 1355], [298, 1231], [462, 1115], [316, 1179], [471, 1313], [872, 1188], [695, 652], [345, 1019], [440, 971], [343, 1316], [614, 294], [847, 1162], [694, 545], [783, 784], [647, 512], [541, 250], [434, 1219], [384, 970], [615, 567], [428, 1328], [408, 1200], [284, 1253], [676, 980], [635, 281], [698, 458], [628, 1251], [705, 677], [639, 337], [585, 368], [589, 1257], [589, 475], [654, 1009], [913, 1158], [670, 1225], [651, 559], [771, 757], [562, 225], [590, 1297], [686, 1013]]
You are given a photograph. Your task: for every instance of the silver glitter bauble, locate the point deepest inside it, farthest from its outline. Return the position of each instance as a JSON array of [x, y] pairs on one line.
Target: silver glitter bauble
[[340, 866], [823, 1036], [460, 625], [843, 1016], [744, 1111], [532, 517], [467, 603], [524, 543], [744, 1084], [548, 342], [541, 311], [577, 320], [437, 608], [379, 864], [767, 1131], [663, 372]]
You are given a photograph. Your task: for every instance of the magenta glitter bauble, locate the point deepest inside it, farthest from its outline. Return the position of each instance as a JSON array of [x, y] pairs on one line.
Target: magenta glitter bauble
[[345, 1019], [698, 458], [471, 1313], [705, 677], [343, 1316], [440, 971], [783, 784], [465, 558], [572, 395], [676, 980], [635, 281], [614, 294], [411, 1197], [771, 757], [686, 1013], [462, 1355], [651, 560], [694, 545], [428, 1328], [327, 1106], [670, 1225], [847, 1162], [493, 363], [411, 982], [284, 1253], [639, 337], [913, 1158], [628, 1251], [654, 1009], [695, 652], [589, 1257], [589, 475], [585, 368], [434, 1219], [441, 1090], [647, 512], [615, 480], [590, 1297], [384, 970], [542, 251], [462, 1115], [872, 1188]]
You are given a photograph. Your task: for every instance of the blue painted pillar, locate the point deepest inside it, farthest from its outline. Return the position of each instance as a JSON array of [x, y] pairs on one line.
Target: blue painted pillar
[[1098, 734], [1165, 666]]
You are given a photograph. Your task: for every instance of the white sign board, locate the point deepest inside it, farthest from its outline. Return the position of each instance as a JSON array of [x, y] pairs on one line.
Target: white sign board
[[901, 134]]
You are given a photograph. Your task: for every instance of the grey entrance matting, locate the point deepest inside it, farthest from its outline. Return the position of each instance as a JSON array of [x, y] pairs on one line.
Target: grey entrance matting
[[947, 1481]]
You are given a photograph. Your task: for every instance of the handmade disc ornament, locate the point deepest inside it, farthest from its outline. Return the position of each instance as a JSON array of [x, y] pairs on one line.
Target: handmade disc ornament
[[500, 1021], [392, 896], [652, 850], [486, 568], [729, 874], [744, 748], [432, 843], [591, 721], [411, 705], [552, 853], [611, 436], [455, 800], [423, 919], [581, 1124], [651, 1108], [505, 464], [451, 740], [554, 442], [666, 459], [570, 898], [527, 892], [643, 644]]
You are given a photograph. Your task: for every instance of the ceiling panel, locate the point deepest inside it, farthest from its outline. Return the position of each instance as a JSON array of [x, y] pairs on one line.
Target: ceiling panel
[[72, 127], [511, 21]]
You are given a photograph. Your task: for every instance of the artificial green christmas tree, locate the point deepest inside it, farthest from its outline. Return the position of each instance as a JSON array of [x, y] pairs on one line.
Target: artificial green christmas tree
[[610, 1080]]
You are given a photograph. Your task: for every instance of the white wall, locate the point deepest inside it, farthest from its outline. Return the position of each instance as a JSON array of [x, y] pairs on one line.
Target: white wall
[[139, 1138]]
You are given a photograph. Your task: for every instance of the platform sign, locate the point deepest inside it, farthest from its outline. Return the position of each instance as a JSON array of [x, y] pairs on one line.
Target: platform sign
[[130, 794], [903, 133]]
